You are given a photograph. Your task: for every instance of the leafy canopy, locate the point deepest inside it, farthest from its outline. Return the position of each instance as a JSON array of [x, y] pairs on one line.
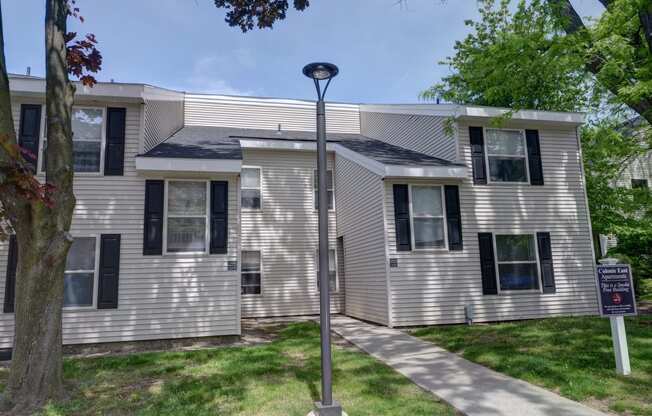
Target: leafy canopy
[[521, 60]]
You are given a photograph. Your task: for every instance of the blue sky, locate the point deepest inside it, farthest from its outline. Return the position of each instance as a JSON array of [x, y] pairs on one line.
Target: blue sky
[[386, 53]]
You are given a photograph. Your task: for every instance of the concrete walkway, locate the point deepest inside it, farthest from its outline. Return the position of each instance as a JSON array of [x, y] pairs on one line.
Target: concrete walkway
[[471, 388]]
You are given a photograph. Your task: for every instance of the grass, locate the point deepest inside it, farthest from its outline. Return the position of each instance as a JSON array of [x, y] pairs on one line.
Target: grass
[[281, 378], [572, 356]]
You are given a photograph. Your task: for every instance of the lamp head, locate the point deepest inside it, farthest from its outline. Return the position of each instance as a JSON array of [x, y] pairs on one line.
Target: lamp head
[[320, 71]]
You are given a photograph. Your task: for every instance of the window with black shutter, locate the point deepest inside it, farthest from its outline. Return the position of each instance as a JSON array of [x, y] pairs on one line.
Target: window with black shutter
[[107, 295], [453, 217], [219, 208], [476, 139], [402, 217], [153, 227], [115, 142]]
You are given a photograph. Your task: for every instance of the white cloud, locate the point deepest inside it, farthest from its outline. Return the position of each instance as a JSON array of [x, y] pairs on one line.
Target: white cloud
[[205, 76]]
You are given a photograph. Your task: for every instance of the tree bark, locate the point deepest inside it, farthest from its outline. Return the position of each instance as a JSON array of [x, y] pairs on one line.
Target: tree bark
[[43, 238]]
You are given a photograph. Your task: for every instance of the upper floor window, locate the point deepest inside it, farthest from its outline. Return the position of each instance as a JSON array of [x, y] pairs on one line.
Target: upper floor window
[[79, 276], [88, 125], [186, 224], [516, 260], [428, 224], [506, 155], [329, 187], [250, 189]]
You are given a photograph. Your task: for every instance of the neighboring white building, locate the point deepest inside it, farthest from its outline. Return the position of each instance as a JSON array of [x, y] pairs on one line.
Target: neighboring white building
[[194, 211]]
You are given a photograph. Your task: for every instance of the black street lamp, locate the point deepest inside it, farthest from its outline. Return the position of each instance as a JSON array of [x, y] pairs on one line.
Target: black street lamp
[[321, 71]]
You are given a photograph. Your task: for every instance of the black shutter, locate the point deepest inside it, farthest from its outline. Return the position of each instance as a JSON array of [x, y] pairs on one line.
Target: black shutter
[[30, 132], [453, 217], [534, 157], [545, 259], [219, 217], [107, 290], [153, 230], [115, 142], [402, 218], [10, 277], [487, 264], [476, 138]]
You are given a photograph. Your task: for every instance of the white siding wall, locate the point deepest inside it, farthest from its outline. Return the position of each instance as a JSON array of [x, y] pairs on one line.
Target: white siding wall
[[285, 231], [159, 296], [162, 118], [639, 168], [265, 113], [421, 133], [359, 196], [434, 287]]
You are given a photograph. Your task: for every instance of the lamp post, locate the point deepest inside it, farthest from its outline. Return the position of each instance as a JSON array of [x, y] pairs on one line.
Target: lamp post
[[321, 71]]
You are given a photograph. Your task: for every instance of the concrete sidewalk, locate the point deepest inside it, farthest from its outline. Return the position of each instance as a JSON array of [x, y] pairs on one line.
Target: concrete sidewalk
[[471, 388]]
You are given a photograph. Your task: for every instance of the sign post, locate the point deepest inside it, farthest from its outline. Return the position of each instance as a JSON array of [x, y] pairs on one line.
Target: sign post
[[617, 300]]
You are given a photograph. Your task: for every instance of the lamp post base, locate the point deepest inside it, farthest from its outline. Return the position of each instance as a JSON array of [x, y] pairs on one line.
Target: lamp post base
[[333, 410]]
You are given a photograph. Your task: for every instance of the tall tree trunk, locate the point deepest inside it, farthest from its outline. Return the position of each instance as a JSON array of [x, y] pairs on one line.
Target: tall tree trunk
[[43, 238]]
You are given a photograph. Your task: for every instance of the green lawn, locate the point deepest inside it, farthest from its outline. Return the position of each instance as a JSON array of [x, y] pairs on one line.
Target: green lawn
[[572, 356], [281, 378]]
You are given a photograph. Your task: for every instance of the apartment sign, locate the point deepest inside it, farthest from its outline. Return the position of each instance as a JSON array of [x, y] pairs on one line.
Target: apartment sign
[[616, 290]]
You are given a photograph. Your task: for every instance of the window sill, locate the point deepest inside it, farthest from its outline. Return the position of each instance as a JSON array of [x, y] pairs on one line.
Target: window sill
[[517, 292], [508, 183], [78, 308]]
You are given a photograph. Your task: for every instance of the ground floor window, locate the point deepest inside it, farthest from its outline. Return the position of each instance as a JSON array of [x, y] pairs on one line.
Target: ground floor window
[[517, 262], [332, 270], [79, 276], [250, 273]]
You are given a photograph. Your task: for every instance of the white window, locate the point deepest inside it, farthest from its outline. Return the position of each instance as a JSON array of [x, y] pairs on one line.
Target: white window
[[427, 216], [250, 273], [87, 140], [329, 187], [516, 262], [332, 271], [186, 213], [250, 189], [79, 280], [506, 155]]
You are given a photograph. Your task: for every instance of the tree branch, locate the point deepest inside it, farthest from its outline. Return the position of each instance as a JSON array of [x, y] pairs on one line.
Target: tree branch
[[645, 16], [571, 21]]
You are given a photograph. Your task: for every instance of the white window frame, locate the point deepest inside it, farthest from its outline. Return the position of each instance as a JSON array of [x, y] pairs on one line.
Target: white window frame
[[533, 235], [337, 275], [165, 219], [486, 157], [443, 216], [314, 190], [96, 273], [251, 295], [43, 140], [260, 189]]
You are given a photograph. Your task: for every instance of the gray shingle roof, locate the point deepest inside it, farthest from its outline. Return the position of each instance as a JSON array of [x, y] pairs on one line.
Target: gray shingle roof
[[223, 143]]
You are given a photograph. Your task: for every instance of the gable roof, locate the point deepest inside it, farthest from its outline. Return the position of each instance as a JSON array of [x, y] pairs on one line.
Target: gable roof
[[200, 142]]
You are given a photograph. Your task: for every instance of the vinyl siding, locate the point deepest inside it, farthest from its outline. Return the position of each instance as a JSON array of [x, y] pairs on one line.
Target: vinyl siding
[[285, 231], [421, 133], [265, 113], [161, 119], [171, 296], [434, 287], [639, 168], [359, 196]]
